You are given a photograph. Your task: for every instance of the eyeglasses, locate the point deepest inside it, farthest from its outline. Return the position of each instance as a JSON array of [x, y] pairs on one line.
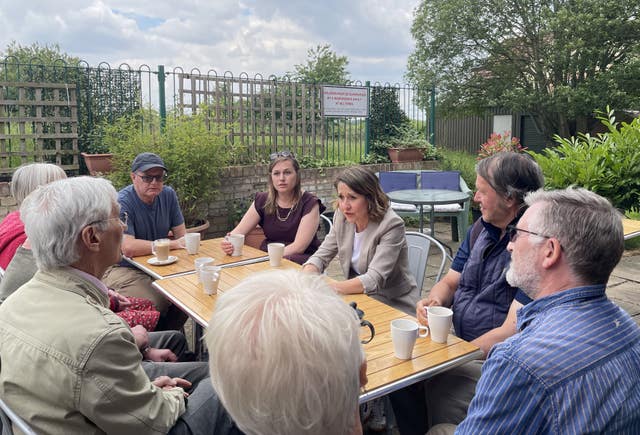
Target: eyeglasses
[[513, 233], [124, 219], [274, 156], [149, 178]]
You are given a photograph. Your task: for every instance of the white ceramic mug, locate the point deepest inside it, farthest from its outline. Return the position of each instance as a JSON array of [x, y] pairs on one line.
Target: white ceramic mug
[[276, 251], [160, 248], [440, 320], [210, 276], [404, 333], [192, 242], [202, 261], [237, 240]]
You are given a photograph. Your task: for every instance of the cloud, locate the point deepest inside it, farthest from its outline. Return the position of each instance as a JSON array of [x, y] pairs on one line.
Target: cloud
[[252, 36]]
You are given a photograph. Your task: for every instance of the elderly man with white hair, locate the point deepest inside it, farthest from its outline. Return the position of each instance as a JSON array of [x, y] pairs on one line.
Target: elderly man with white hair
[[69, 364], [285, 356]]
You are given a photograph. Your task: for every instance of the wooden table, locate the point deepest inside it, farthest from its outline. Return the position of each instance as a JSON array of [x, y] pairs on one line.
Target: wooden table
[[386, 373], [631, 228], [208, 248]]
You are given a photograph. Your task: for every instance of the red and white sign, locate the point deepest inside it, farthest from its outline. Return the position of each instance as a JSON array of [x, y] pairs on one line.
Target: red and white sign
[[345, 101]]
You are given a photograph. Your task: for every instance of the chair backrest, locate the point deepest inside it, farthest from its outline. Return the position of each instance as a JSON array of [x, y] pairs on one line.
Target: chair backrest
[[449, 180], [324, 227], [391, 181], [8, 417], [327, 223], [418, 245]]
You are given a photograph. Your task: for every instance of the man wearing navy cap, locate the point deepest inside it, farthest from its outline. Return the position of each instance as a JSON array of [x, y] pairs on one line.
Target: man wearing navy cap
[[153, 213]]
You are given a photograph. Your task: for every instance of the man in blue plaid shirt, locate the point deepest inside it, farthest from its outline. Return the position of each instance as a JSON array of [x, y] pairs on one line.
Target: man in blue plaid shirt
[[573, 367]]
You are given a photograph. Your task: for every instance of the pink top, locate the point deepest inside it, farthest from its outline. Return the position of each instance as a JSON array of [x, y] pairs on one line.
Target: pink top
[[11, 237]]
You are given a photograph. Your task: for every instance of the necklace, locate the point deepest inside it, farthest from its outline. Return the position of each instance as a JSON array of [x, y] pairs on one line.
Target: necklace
[[284, 219]]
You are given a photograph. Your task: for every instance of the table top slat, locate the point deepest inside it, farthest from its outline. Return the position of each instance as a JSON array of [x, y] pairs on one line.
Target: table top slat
[[386, 373], [208, 248]]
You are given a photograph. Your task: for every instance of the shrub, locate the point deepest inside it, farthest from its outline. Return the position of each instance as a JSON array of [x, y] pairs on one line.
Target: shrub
[[608, 164], [193, 152], [460, 161]]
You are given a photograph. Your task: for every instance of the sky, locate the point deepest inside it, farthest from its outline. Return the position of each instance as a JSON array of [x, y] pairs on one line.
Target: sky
[[251, 36]]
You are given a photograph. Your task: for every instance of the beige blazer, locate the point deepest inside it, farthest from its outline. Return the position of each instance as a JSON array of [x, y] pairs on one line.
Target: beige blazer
[[383, 256]]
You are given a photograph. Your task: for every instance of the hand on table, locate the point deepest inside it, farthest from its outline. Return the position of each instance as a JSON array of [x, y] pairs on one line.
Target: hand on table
[[177, 243], [310, 268], [421, 309], [226, 246]]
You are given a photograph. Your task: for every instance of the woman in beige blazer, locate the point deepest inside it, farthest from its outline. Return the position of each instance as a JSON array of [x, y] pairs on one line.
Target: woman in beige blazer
[[369, 238]]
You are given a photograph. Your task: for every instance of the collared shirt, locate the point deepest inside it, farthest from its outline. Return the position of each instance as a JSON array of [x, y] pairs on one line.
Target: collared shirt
[[572, 369], [92, 279]]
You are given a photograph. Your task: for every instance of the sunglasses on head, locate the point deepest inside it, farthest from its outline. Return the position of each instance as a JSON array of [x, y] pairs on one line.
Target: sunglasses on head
[[288, 154]]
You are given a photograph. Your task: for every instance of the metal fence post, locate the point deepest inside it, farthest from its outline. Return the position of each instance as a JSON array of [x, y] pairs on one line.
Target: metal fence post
[[432, 117], [367, 122], [161, 98]]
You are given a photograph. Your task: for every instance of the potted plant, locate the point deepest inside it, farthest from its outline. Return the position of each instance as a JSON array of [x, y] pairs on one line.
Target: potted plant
[[408, 145], [97, 157], [193, 150]]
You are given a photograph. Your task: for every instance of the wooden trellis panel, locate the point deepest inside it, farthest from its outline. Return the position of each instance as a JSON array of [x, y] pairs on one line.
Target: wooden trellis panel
[[38, 123], [264, 115]]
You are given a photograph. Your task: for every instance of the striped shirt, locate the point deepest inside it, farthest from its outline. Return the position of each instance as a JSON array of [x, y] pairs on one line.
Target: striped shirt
[[574, 368]]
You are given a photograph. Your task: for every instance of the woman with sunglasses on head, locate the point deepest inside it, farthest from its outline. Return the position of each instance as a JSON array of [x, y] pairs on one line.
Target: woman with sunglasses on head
[[286, 213]]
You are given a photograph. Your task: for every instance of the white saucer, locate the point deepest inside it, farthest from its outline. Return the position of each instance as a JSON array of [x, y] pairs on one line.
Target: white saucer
[[154, 261]]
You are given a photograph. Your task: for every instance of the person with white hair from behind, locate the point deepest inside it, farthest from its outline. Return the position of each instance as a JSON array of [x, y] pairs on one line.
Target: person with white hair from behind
[[285, 356]]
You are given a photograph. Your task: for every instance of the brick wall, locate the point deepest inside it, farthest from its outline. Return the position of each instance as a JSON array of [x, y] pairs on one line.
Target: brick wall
[[239, 185]]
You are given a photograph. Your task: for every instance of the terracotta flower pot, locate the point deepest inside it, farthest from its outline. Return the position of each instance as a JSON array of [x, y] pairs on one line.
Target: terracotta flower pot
[[406, 154], [202, 228], [98, 164]]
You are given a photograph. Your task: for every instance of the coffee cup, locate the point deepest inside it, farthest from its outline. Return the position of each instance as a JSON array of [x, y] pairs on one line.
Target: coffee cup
[[160, 248], [202, 261], [276, 251], [210, 276], [404, 333], [237, 240], [192, 243], [440, 320]]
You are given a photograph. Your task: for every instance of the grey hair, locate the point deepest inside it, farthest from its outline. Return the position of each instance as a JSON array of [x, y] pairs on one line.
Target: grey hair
[[27, 178], [55, 214], [588, 227], [285, 355], [511, 174]]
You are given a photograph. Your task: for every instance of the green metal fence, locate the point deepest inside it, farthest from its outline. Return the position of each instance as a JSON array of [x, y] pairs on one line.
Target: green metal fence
[[263, 114]]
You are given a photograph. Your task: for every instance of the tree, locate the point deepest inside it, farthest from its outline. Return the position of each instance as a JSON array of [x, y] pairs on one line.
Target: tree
[[385, 113], [558, 60], [323, 67]]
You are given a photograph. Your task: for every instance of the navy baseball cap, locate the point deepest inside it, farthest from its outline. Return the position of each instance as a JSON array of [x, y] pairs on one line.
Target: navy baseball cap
[[145, 161]]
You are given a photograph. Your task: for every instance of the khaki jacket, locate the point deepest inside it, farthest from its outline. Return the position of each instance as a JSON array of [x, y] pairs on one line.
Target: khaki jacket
[[71, 366], [383, 257]]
